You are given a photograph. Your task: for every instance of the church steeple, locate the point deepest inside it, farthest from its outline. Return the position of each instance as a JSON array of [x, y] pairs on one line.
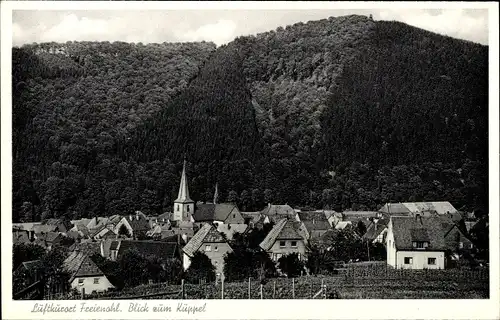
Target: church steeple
[[183, 205], [183, 196]]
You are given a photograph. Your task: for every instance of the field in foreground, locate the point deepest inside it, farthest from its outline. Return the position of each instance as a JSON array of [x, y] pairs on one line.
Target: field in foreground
[[355, 282]]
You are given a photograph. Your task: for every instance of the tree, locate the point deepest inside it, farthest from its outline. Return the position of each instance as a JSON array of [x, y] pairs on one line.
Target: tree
[[200, 269], [232, 197], [291, 265], [26, 252], [134, 268], [123, 231], [361, 228]]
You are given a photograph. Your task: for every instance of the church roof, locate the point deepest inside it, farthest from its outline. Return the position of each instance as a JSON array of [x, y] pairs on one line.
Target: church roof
[[183, 196]]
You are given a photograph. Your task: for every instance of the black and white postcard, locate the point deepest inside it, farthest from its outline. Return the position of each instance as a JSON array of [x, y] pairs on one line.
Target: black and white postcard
[[302, 160]]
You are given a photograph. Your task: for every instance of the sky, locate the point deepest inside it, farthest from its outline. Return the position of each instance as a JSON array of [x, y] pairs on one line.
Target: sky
[[219, 26]]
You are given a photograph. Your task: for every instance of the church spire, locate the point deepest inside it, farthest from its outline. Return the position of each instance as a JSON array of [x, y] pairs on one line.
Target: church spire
[[183, 196]]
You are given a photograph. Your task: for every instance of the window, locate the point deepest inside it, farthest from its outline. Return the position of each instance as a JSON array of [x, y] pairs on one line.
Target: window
[[208, 248], [294, 243], [216, 262], [216, 248], [187, 208], [282, 244], [80, 281], [420, 244], [408, 260], [178, 208], [471, 246], [234, 216], [431, 261]]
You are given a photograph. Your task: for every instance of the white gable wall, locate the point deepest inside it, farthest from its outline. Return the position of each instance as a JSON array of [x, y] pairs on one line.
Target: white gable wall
[[419, 259], [89, 285]]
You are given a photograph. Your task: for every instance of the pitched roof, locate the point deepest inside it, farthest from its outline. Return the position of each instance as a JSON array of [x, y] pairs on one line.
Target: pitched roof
[[284, 229], [44, 228], [161, 249], [28, 226], [165, 216], [79, 264], [207, 233], [409, 229], [439, 207], [138, 222], [211, 211], [375, 228], [364, 214], [20, 236], [314, 220], [183, 196], [87, 247], [278, 209], [32, 265]]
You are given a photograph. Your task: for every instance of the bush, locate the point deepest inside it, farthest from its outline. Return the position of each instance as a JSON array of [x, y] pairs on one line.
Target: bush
[[291, 265]]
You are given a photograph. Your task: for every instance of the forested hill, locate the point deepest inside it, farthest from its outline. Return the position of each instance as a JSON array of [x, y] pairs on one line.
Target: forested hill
[[346, 113]]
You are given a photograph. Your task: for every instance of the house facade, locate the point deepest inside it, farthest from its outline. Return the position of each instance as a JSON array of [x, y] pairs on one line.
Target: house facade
[[136, 224], [210, 242], [85, 277], [219, 213], [415, 243], [286, 237]]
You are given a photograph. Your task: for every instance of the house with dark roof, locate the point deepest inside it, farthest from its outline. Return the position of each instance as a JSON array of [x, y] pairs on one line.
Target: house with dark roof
[[315, 222], [20, 236], [85, 275], [416, 242], [422, 208], [226, 213], [159, 249], [49, 239], [61, 225], [251, 218], [136, 224], [210, 242], [103, 232], [287, 236], [87, 246], [376, 230], [279, 209], [29, 271]]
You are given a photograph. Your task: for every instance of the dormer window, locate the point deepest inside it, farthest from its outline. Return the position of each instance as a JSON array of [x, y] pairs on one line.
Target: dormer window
[[420, 244]]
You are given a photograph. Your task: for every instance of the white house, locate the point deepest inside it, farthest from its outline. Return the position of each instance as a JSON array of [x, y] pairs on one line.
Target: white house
[[85, 274], [415, 242]]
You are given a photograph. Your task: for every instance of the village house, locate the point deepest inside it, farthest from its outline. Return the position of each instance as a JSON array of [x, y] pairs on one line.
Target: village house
[[49, 240], [103, 232], [230, 229], [251, 218], [422, 208], [20, 236], [315, 223], [61, 225], [160, 249], [415, 242], [135, 224], [276, 212], [287, 236], [29, 271], [376, 230], [333, 217], [219, 213], [210, 242], [85, 275]]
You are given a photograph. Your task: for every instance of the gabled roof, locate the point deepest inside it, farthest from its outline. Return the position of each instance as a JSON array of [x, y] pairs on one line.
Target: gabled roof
[[79, 264], [207, 233], [314, 221], [211, 211], [375, 228], [28, 226], [161, 249], [183, 196], [283, 230], [278, 209], [31, 266], [44, 228], [165, 217], [438, 207], [87, 247], [409, 229], [138, 222]]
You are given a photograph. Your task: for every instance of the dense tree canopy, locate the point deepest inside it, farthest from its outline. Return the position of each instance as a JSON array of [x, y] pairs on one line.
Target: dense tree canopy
[[342, 113]]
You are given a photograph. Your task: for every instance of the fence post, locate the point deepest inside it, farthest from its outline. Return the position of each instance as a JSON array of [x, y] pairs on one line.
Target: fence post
[[249, 291], [182, 289], [83, 293], [293, 288], [222, 293], [324, 292], [261, 293], [274, 289]]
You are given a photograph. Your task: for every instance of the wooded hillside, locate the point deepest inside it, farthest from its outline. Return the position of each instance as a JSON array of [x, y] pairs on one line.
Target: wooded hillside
[[346, 113]]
